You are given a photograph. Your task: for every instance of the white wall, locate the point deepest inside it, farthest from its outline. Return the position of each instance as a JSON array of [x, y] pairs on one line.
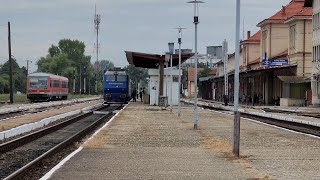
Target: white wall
[[154, 82]]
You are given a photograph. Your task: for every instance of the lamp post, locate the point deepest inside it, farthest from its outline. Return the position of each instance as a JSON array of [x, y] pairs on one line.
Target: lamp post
[[236, 126], [179, 42], [225, 71], [167, 59], [196, 22], [171, 49]]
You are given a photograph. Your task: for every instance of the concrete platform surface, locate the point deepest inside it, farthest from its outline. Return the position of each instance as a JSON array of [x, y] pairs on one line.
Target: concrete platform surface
[[144, 142], [289, 111]]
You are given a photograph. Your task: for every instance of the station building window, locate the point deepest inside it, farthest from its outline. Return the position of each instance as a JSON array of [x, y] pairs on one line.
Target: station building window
[[292, 35]]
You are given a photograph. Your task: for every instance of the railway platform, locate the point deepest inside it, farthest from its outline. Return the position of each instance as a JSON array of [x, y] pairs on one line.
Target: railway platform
[[145, 142], [307, 115]]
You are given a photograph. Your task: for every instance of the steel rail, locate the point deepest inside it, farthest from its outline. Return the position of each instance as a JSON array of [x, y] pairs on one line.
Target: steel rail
[[291, 125], [20, 172], [10, 145]]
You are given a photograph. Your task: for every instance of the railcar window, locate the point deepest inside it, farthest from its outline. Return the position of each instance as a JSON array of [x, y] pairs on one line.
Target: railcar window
[[55, 84], [110, 78], [64, 84], [121, 78], [38, 82]]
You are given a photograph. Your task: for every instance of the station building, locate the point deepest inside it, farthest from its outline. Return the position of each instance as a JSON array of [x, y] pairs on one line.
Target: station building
[[275, 63], [315, 81]]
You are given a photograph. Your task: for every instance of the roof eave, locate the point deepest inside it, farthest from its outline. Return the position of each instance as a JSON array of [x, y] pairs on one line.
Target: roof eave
[[295, 18], [269, 21]]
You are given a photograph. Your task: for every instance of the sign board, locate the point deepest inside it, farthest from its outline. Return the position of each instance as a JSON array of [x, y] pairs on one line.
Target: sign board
[[275, 62]]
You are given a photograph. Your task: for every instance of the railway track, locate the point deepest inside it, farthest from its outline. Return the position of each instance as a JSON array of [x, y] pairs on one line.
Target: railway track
[[21, 112], [21, 155], [295, 126]]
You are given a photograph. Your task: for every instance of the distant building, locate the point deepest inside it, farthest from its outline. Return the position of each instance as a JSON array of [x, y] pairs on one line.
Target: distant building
[[183, 51]]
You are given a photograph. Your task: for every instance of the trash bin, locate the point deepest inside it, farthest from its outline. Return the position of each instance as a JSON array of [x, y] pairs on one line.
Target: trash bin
[[163, 101], [146, 99]]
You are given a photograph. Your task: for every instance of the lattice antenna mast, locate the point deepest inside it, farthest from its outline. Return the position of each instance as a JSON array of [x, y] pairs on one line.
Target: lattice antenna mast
[[97, 20]]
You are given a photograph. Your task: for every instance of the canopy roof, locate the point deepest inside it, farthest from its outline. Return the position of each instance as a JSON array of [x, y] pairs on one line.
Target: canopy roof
[[151, 61]]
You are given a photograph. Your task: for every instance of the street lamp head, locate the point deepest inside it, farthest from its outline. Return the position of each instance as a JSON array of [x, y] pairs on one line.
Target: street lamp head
[[196, 9], [180, 32], [171, 47], [167, 57]]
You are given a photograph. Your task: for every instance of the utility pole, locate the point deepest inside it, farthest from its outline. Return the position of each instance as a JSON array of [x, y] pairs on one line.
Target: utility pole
[[27, 73], [80, 80], [84, 80], [171, 50], [74, 81], [10, 64], [97, 20], [236, 125]]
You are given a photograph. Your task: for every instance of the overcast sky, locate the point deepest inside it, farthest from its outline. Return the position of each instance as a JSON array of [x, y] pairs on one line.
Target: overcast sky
[[132, 25]]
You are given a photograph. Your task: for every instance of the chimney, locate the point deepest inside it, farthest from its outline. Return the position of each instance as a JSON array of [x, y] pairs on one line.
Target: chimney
[[248, 34], [283, 10]]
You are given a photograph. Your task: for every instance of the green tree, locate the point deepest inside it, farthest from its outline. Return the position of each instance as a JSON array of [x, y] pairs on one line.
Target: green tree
[[19, 77], [68, 59], [137, 75], [54, 50], [102, 66]]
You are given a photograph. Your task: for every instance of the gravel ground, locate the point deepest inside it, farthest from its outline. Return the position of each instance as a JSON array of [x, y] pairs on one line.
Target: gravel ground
[[18, 121]]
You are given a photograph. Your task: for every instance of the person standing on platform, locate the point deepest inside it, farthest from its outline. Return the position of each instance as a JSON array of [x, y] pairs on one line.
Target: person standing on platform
[[140, 93], [133, 95]]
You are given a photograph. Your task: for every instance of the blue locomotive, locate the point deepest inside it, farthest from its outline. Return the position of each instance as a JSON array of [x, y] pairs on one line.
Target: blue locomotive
[[116, 86]]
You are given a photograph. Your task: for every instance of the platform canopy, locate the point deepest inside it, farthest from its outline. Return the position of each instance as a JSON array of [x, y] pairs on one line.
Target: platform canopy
[[151, 61]]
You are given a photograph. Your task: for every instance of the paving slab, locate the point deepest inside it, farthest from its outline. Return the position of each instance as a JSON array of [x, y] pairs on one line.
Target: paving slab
[[144, 142]]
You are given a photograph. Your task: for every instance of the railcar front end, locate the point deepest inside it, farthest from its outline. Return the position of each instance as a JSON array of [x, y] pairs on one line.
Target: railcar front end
[[116, 87]]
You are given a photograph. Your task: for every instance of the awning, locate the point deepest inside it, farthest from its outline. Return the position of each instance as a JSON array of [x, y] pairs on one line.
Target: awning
[[204, 79], [294, 79], [151, 61]]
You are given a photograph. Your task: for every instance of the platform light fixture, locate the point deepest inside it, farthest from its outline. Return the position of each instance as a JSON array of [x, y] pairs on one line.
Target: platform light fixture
[[179, 42], [196, 22]]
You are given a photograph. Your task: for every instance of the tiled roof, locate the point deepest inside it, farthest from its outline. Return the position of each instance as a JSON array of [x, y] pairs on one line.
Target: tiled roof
[[254, 38], [212, 72], [283, 54], [257, 61], [304, 13], [293, 8]]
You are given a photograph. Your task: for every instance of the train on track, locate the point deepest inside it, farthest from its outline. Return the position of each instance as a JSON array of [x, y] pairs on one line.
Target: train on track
[[116, 86], [46, 87]]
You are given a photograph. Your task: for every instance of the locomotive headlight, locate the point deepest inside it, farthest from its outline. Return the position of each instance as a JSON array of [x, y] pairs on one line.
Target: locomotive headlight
[[122, 96]]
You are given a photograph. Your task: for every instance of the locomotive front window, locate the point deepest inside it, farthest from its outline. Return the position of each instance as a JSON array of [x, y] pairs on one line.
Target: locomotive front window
[[121, 78], [110, 78], [38, 82]]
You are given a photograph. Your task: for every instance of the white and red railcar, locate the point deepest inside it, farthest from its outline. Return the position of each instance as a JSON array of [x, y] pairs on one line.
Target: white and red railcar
[[46, 87]]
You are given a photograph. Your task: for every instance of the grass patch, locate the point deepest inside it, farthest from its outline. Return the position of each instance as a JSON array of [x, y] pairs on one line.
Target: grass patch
[[17, 98]]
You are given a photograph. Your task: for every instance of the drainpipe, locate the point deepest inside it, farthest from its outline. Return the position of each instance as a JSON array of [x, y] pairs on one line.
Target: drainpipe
[[269, 55], [304, 47]]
